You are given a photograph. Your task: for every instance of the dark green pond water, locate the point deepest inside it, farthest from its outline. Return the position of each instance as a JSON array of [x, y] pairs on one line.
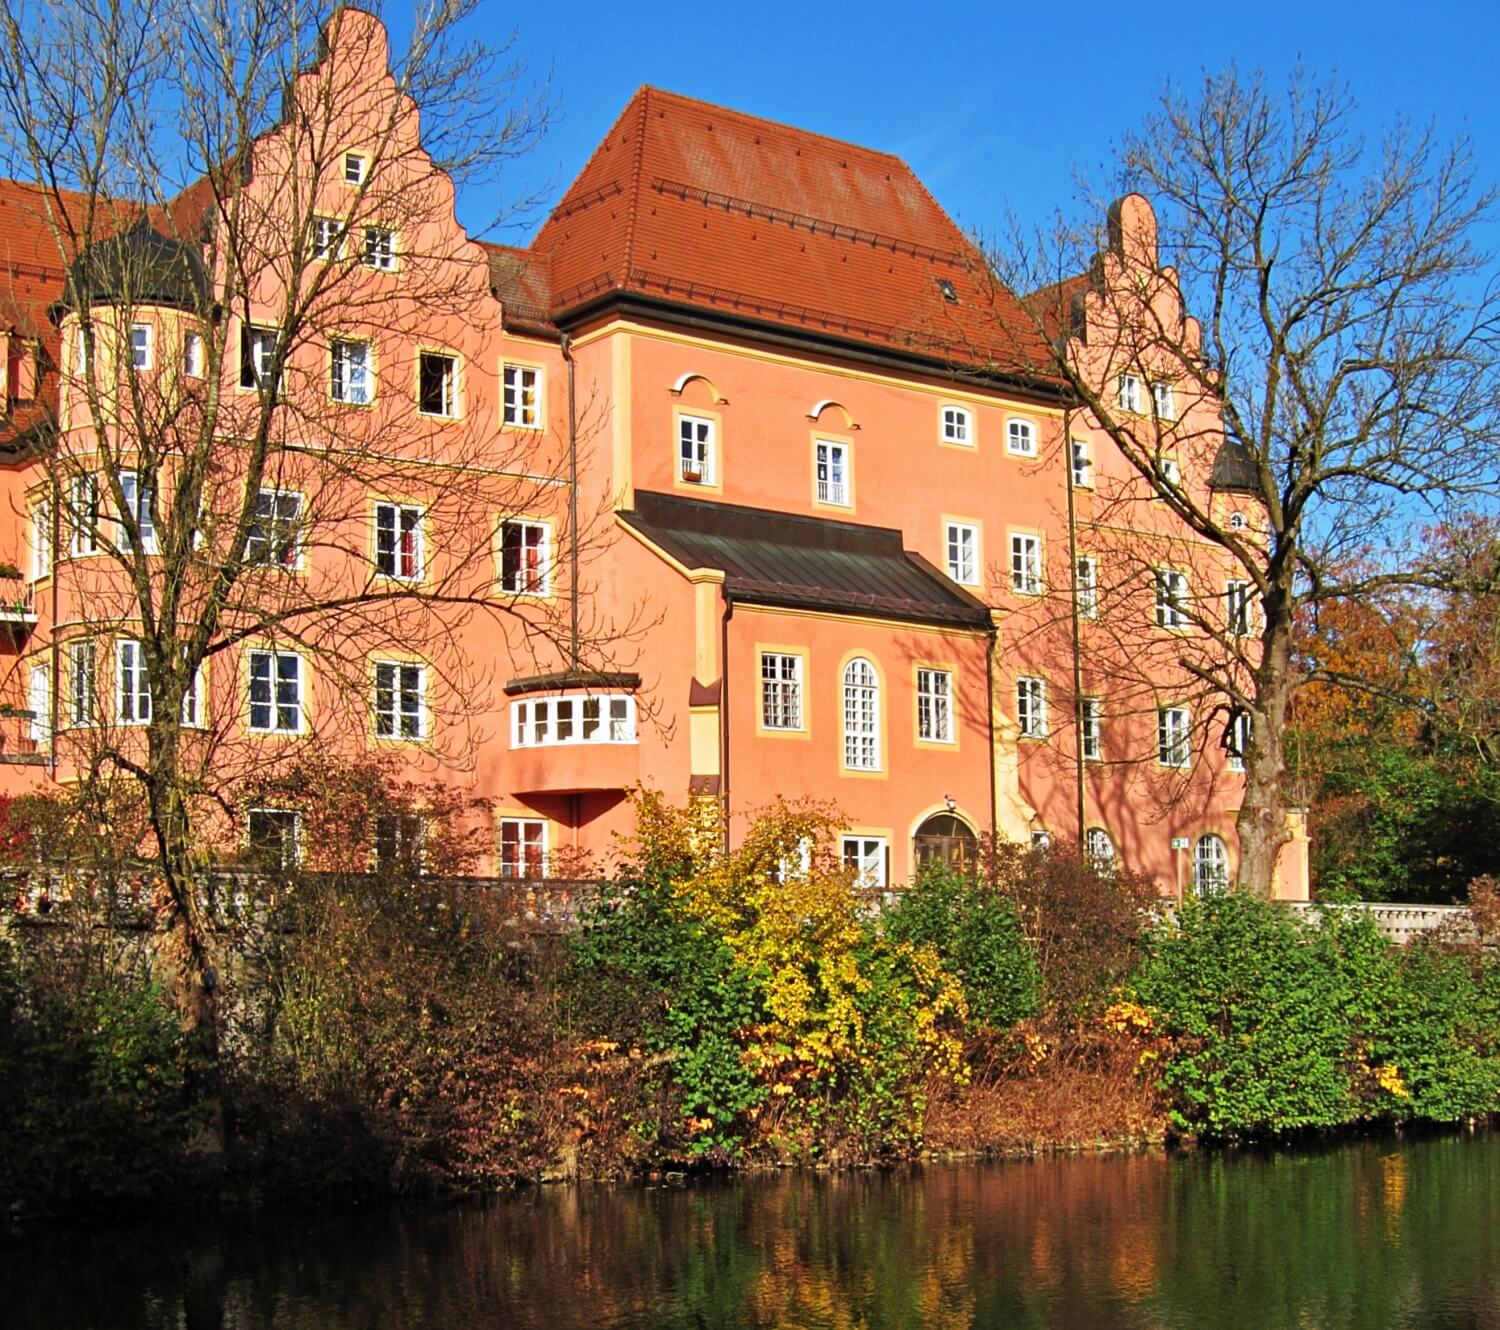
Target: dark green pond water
[[1373, 1234]]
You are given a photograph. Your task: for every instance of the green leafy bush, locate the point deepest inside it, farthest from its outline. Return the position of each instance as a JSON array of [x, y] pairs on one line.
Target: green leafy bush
[[978, 938]]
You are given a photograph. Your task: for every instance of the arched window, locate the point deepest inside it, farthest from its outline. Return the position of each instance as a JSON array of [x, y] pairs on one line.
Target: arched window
[[1099, 850], [945, 839], [1210, 866], [861, 716]]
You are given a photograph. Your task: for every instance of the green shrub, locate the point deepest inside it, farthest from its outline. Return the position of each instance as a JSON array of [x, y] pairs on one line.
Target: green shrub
[[977, 936]]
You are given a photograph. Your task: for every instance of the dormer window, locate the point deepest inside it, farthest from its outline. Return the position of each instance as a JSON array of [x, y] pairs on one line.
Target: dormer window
[[355, 166], [945, 289]]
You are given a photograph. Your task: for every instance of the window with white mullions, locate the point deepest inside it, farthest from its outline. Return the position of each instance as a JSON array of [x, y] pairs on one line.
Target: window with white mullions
[[696, 462], [1172, 737], [400, 705], [257, 356], [781, 690], [83, 515], [962, 541], [1099, 850], [1026, 564], [861, 716], [141, 348], [544, 721], [275, 837], [1090, 733], [41, 539], [935, 706], [1031, 707], [380, 248], [400, 841], [81, 678], [1020, 438], [275, 533], [1210, 866], [1237, 736], [1083, 464], [349, 365], [833, 472], [1237, 603], [1129, 394], [132, 687], [138, 500], [275, 692], [398, 540], [520, 397], [523, 847], [39, 703], [1088, 587], [867, 856], [1164, 400], [958, 425], [325, 237], [1171, 598], [524, 562]]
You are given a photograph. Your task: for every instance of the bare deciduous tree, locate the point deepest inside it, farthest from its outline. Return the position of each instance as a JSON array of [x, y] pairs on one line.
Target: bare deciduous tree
[[1324, 347]]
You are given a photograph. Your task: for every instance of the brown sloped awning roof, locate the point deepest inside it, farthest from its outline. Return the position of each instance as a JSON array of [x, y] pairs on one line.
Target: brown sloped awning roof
[[771, 558]]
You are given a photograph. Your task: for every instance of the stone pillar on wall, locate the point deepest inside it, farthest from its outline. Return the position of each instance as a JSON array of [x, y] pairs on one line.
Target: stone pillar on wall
[[1293, 876]]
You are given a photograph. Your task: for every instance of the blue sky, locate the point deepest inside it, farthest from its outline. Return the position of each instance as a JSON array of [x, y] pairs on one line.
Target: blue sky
[[995, 105]]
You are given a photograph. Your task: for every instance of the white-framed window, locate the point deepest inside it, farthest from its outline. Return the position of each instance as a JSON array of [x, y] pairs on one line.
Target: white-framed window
[[1088, 587], [1237, 521], [398, 541], [1173, 739], [257, 356], [400, 840], [831, 460], [523, 847], [192, 355], [961, 540], [41, 539], [1129, 395], [935, 705], [795, 865], [349, 369], [1041, 838], [1031, 707], [1238, 599], [861, 716], [521, 396], [83, 515], [780, 690], [400, 700], [132, 687], [1170, 471], [1210, 865], [141, 346], [869, 857], [81, 353], [1020, 438], [39, 703], [696, 446], [275, 535], [1237, 738], [1083, 464], [1099, 850], [355, 166], [325, 238], [274, 836], [1163, 400], [379, 248], [958, 425], [81, 679], [1171, 598], [275, 692], [192, 701], [540, 722], [1025, 563], [1090, 729], [437, 384], [138, 500], [525, 561]]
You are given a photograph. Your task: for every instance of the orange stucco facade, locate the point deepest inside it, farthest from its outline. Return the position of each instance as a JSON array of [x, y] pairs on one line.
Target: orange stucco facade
[[820, 539]]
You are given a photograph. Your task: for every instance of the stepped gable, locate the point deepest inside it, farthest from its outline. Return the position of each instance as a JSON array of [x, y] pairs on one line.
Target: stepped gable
[[707, 207]]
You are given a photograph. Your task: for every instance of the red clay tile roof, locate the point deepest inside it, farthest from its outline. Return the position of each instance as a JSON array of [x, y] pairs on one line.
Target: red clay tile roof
[[711, 208]]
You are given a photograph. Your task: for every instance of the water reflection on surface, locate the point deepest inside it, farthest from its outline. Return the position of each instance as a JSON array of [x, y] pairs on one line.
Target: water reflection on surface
[[1375, 1234]]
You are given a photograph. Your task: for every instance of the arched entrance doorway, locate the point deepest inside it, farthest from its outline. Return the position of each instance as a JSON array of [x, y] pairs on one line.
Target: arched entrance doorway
[[945, 838]]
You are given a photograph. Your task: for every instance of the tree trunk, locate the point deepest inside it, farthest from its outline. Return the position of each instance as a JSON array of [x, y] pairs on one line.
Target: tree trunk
[[1262, 824]]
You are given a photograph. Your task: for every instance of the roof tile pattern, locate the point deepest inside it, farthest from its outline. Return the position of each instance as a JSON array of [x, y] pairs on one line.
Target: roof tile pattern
[[713, 208]]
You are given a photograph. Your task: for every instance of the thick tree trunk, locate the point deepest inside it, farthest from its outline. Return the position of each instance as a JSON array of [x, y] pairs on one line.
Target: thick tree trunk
[[1262, 824]]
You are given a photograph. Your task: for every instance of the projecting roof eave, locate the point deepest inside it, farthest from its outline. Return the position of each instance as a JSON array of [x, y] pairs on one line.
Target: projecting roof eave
[[780, 560], [617, 300]]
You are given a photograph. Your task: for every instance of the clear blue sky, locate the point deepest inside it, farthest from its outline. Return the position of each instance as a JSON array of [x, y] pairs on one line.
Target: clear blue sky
[[994, 105]]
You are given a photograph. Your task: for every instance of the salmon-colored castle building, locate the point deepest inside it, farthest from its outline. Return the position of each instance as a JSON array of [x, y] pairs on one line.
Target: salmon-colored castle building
[[740, 480]]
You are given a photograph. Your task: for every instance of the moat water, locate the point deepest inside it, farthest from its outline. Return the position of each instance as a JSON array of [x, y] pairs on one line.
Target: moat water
[[1375, 1233]]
